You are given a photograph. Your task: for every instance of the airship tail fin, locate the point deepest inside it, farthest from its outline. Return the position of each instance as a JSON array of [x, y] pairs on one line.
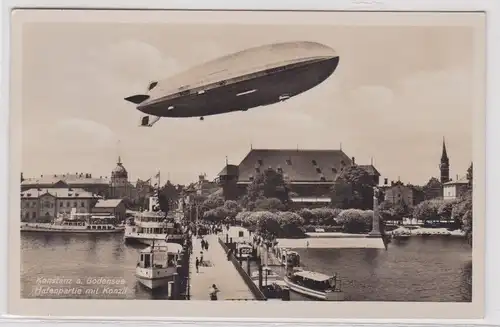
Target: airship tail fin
[[138, 98]]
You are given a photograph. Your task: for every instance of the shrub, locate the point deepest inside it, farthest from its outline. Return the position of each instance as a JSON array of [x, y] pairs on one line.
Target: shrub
[[355, 221]]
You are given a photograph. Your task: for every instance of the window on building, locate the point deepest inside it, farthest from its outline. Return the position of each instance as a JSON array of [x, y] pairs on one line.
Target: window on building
[[323, 179], [33, 215], [82, 204], [60, 204], [314, 162], [334, 170], [259, 162], [280, 170], [342, 163], [75, 204], [257, 170], [318, 170], [289, 162]]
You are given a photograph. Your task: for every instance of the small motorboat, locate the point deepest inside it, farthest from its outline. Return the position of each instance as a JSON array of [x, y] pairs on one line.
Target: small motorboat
[[315, 285]]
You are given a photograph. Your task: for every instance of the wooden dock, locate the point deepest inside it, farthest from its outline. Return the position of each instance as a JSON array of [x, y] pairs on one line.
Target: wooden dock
[[219, 271]]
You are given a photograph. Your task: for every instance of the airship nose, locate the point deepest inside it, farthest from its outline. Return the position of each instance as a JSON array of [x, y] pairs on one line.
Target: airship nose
[[320, 50]]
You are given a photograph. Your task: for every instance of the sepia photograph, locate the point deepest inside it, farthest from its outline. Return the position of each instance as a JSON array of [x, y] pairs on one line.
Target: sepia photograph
[[297, 157]]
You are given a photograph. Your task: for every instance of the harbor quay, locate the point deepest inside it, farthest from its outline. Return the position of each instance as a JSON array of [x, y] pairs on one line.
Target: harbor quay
[[215, 269]]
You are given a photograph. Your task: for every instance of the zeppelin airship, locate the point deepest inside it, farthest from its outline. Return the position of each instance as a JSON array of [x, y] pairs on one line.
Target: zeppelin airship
[[240, 81]]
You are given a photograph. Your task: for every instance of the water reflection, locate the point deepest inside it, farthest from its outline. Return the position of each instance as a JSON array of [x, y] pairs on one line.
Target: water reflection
[[418, 269]]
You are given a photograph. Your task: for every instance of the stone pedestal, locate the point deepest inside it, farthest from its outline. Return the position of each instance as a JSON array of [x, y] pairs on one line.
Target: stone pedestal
[[375, 232]]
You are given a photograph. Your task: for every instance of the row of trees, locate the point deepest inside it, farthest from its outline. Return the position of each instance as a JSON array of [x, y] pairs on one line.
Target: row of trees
[[268, 196]]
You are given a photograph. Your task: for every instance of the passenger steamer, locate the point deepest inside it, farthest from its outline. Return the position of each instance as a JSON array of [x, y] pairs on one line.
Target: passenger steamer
[[153, 225], [157, 264], [77, 223], [150, 226]]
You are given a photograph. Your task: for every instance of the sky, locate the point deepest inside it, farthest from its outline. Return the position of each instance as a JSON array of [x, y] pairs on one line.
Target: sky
[[396, 93]]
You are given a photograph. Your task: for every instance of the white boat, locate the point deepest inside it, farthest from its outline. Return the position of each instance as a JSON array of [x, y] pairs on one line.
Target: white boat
[[315, 285], [157, 264], [77, 223], [150, 226]]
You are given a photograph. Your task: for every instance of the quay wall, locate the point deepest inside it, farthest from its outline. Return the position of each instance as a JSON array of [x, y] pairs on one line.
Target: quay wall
[[251, 285]]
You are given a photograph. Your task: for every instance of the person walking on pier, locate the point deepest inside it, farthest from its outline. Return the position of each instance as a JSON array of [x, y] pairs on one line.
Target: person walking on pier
[[213, 292], [197, 264]]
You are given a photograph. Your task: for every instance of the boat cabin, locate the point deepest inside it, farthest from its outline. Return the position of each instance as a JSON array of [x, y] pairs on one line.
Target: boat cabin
[[288, 258], [315, 281], [160, 256]]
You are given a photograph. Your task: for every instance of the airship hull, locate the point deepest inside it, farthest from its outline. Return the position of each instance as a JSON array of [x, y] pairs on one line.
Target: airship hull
[[248, 79], [258, 90]]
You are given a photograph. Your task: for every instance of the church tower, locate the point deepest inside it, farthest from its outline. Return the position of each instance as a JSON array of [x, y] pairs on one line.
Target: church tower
[[444, 167], [119, 181]]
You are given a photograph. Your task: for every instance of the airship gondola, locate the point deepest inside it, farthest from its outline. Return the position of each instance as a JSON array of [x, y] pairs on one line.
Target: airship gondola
[[237, 82]]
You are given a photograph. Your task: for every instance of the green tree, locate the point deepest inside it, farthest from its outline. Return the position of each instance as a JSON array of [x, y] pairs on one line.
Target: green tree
[[268, 184], [462, 211], [290, 224], [163, 202], [266, 223], [353, 189], [231, 208], [445, 210], [325, 216], [269, 204], [355, 221], [215, 215], [170, 191], [426, 210], [470, 175], [432, 189]]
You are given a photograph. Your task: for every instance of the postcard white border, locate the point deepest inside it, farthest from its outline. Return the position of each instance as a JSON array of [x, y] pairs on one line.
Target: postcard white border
[[418, 309]]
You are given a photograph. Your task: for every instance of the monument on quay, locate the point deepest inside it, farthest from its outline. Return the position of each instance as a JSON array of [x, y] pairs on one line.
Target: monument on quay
[[375, 232]]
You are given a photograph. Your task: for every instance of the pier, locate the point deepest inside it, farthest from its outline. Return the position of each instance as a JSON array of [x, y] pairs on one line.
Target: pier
[[219, 271]]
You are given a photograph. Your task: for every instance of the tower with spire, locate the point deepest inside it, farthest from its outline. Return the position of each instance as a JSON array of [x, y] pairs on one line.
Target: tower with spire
[[444, 166]]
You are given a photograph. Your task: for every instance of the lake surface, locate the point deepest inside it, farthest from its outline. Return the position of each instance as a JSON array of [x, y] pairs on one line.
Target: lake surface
[[102, 266]]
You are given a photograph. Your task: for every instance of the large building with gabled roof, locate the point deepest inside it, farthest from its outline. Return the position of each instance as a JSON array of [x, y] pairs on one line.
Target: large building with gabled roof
[[309, 173], [39, 204]]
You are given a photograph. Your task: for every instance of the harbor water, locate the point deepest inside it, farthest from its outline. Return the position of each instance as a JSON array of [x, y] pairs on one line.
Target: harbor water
[[437, 269]]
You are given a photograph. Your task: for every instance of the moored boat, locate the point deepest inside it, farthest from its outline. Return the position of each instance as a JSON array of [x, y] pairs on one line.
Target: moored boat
[[151, 226], [157, 264], [273, 285], [77, 223], [315, 285]]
